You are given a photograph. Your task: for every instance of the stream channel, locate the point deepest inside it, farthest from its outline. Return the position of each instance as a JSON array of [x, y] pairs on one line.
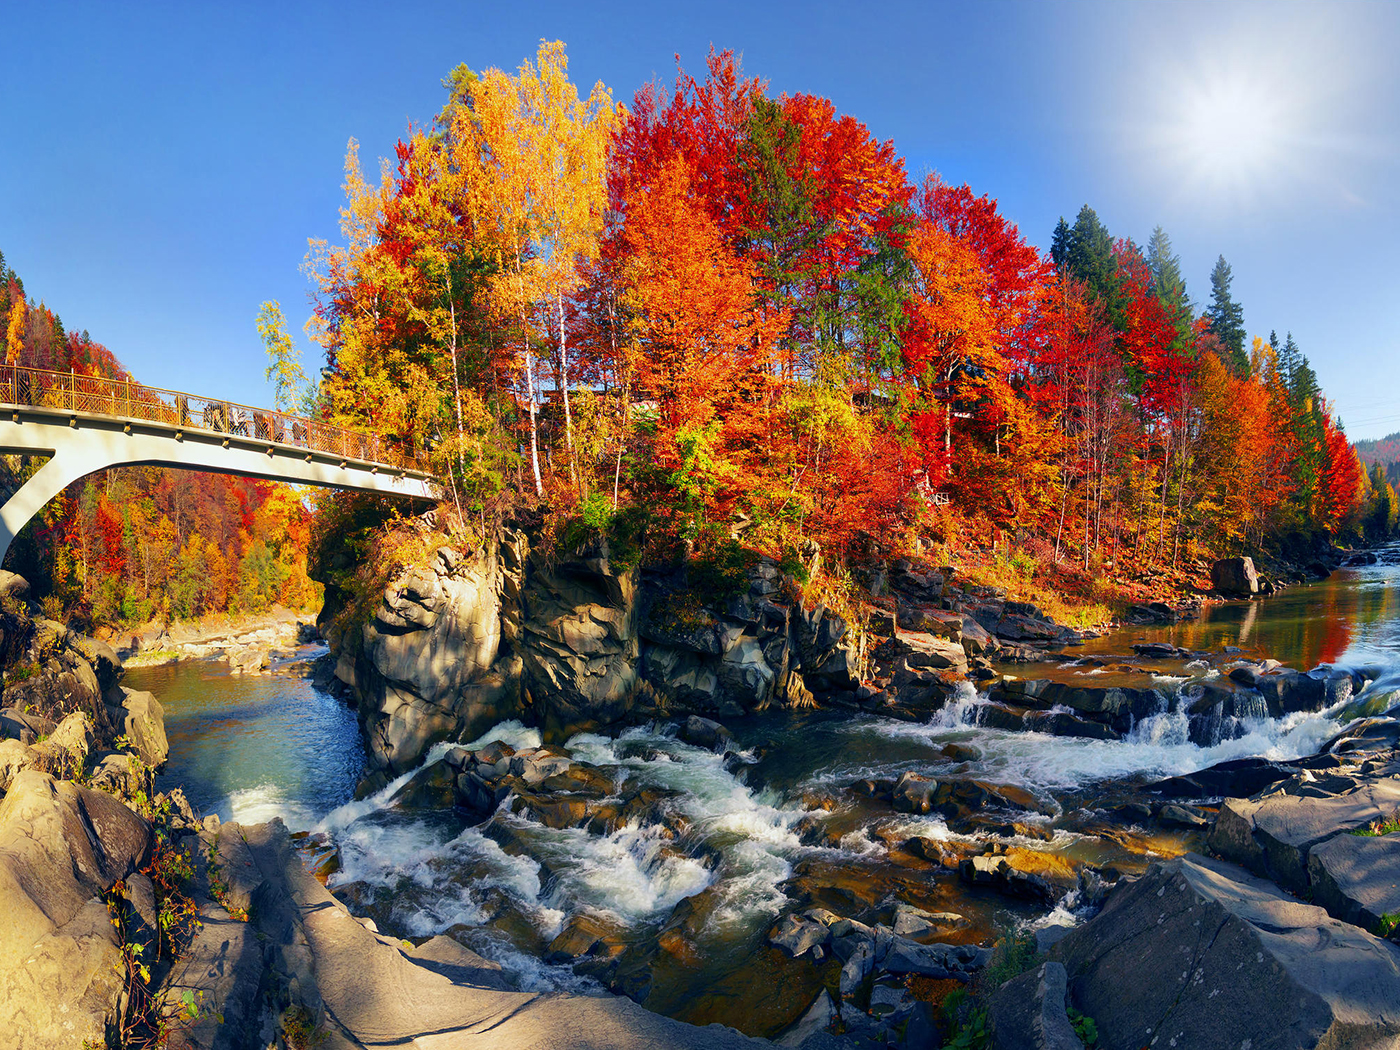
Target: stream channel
[[252, 748]]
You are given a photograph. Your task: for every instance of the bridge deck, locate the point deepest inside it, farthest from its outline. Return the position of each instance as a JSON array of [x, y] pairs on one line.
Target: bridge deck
[[126, 400], [86, 424]]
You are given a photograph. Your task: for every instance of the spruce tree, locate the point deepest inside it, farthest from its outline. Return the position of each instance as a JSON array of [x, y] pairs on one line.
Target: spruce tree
[[1287, 359], [1170, 286], [1059, 244], [1227, 318]]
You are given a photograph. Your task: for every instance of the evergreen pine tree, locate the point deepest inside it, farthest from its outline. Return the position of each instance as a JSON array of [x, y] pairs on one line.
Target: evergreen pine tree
[[1287, 359], [1059, 243], [1170, 286], [1227, 318]]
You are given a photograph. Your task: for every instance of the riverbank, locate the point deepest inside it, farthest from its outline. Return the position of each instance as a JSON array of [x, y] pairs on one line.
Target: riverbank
[[248, 643]]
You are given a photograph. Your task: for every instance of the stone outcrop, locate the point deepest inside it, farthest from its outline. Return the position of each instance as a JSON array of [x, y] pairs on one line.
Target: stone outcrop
[[1029, 1013], [574, 640], [61, 848], [426, 667], [57, 678], [1273, 836], [578, 639], [1199, 953]]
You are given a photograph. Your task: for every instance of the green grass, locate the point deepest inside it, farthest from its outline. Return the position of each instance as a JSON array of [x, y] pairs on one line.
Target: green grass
[[1379, 827], [1387, 924]]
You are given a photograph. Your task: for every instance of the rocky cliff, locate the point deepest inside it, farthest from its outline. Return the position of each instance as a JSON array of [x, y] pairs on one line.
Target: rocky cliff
[[575, 640]]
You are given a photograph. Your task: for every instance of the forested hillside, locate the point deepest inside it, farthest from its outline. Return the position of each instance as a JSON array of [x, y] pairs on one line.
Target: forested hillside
[[736, 312], [137, 543], [1383, 451]]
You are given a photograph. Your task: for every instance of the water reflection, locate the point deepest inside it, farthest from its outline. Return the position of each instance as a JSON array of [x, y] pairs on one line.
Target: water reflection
[[1351, 618], [251, 747]]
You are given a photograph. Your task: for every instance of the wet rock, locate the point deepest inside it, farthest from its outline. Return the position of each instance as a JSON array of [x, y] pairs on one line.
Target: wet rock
[[706, 733], [913, 793], [1235, 577], [1366, 734], [535, 767], [1183, 816], [1195, 933], [1238, 778], [1028, 1012], [915, 923], [433, 788], [1288, 691], [1272, 837], [797, 935], [996, 873], [586, 935]]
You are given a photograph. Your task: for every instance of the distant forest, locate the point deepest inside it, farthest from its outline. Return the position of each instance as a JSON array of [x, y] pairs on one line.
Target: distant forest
[[1385, 451]]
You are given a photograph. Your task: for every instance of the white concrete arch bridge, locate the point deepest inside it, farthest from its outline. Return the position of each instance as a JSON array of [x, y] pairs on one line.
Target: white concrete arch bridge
[[89, 423]]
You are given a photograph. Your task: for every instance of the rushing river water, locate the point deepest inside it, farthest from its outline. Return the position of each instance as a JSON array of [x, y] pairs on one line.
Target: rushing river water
[[249, 748]]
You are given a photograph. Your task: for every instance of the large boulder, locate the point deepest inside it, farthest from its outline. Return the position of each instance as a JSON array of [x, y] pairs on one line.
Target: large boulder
[[141, 719], [1357, 877], [1235, 577], [61, 848], [1198, 953], [103, 659], [1029, 1013], [426, 666]]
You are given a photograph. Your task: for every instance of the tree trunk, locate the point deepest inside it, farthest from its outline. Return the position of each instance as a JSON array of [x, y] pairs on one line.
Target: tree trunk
[[564, 394]]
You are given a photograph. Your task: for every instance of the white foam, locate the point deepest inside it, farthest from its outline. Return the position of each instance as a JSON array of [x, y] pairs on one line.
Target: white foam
[[260, 804], [1157, 747]]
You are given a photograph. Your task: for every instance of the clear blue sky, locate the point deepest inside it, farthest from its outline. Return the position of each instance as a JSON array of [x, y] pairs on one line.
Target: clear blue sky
[[162, 166]]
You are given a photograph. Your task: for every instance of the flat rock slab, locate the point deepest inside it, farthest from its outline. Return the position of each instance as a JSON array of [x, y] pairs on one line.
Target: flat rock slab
[[1273, 836], [1357, 877], [1198, 953]]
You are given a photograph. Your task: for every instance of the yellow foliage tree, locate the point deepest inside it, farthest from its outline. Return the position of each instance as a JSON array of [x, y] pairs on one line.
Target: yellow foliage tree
[[533, 155]]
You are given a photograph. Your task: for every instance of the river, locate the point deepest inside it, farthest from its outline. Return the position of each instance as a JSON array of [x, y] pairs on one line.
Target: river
[[250, 748]]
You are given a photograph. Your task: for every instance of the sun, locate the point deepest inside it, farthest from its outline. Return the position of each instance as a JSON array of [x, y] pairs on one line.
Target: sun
[[1231, 131]]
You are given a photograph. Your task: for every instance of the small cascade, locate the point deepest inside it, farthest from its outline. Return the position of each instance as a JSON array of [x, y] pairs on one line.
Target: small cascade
[[963, 709]]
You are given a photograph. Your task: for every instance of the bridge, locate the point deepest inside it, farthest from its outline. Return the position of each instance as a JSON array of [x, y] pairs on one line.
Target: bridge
[[90, 423]]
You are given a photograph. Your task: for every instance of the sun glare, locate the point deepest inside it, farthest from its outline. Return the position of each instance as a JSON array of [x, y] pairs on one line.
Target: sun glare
[[1230, 132], [1256, 113]]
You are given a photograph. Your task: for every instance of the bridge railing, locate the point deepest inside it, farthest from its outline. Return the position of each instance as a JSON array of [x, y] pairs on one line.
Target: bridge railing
[[127, 399]]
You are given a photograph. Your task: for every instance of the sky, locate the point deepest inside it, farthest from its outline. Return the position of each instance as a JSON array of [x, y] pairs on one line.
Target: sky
[[163, 165]]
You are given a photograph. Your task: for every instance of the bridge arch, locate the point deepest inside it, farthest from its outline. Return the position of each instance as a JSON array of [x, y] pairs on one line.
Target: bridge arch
[[87, 424]]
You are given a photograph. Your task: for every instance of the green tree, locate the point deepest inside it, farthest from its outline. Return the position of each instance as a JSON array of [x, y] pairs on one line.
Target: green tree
[[1059, 243], [1227, 318], [295, 392], [1170, 286], [1090, 258]]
